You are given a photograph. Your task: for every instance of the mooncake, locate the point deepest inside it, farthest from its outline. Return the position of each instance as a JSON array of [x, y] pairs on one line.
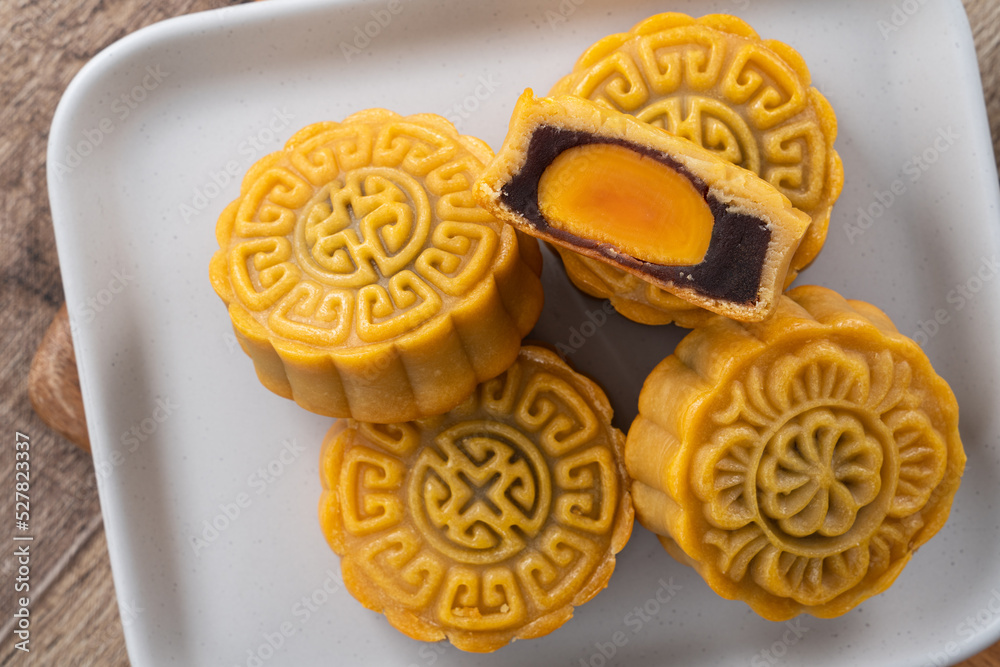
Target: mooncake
[[796, 464], [632, 195], [486, 524], [713, 81], [362, 278]]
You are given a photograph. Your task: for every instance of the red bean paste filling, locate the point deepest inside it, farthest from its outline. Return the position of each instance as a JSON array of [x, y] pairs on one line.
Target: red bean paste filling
[[732, 266]]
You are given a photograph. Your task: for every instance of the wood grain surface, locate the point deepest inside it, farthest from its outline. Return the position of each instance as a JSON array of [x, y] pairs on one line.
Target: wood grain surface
[[75, 617]]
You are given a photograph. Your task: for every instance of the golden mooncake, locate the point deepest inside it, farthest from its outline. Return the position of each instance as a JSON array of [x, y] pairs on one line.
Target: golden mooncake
[[486, 524], [362, 278], [626, 193], [798, 463], [713, 81]]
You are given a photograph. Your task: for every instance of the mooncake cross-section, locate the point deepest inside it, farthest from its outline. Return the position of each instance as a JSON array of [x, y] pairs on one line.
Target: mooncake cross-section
[[621, 191], [362, 278], [797, 464], [750, 101], [486, 524]]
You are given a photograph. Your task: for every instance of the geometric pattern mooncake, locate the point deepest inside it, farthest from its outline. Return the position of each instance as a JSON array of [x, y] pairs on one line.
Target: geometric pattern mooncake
[[362, 278], [713, 81], [798, 463], [488, 523]]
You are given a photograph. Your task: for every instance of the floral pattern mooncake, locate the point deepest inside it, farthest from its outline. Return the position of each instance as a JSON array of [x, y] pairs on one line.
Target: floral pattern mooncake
[[486, 524], [797, 463], [361, 276]]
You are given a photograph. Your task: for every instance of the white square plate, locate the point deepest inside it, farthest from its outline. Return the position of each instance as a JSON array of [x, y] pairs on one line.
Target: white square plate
[[147, 147]]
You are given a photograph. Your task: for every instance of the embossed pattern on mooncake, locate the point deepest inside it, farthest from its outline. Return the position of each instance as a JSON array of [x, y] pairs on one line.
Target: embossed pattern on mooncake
[[362, 278], [798, 463], [714, 81], [486, 524]]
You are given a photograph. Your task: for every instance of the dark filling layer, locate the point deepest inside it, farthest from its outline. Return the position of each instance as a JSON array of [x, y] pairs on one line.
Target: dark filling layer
[[733, 264]]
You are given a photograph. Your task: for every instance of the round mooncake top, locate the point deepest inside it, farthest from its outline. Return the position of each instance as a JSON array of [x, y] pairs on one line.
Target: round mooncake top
[[488, 523], [358, 234], [797, 463], [714, 81]]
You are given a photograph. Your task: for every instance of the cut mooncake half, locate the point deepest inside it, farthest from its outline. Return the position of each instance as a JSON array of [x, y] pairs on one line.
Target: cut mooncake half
[[363, 279], [489, 523], [750, 101], [797, 464], [608, 186]]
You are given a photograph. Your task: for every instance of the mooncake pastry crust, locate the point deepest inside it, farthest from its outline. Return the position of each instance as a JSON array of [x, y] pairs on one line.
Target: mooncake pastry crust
[[756, 229], [362, 278], [714, 81], [798, 463], [631, 296], [486, 524]]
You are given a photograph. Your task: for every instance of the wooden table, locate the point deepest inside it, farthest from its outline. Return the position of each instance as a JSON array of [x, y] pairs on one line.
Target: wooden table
[[75, 617]]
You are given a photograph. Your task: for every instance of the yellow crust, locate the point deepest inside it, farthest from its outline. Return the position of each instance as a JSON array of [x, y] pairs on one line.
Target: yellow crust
[[361, 277], [632, 297], [486, 524], [688, 76], [739, 190], [797, 464]]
